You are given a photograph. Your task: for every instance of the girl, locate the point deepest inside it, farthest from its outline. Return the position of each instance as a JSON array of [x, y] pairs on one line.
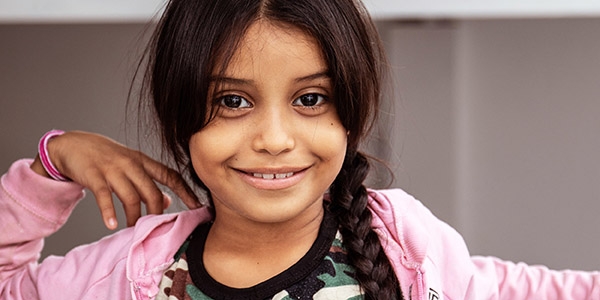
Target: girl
[[263, 104]]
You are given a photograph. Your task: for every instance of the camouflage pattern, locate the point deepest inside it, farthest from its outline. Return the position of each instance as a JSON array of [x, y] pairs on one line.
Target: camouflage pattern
[[332, 279]]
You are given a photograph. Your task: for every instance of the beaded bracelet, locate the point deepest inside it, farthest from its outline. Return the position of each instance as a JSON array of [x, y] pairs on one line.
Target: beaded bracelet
[[45, 158]]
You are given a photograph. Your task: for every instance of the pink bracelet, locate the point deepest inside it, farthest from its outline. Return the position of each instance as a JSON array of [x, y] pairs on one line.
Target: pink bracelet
[[45, 158]]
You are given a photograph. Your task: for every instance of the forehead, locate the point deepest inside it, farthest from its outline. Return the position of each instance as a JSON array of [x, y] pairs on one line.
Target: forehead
[[270, 43]]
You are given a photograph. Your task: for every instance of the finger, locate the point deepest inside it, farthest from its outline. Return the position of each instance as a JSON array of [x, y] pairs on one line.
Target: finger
[[153, 198], [129, 197], [176, 183], [133, 212], [146, 188], [166, 201], [173, 180], [103, 195]]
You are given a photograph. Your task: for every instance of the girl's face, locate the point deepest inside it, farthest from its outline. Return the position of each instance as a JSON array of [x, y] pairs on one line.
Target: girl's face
[[276, 143]]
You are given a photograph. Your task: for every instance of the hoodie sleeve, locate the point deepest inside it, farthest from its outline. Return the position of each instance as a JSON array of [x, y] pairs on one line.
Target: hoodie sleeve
[[509, 280], [32, 207]]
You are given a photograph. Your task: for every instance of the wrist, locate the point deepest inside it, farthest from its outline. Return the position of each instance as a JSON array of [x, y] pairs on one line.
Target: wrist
[[37, 167], [44, 157]]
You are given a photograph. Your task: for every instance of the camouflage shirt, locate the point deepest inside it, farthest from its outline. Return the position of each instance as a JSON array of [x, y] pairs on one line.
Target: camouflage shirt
[[323, 273]]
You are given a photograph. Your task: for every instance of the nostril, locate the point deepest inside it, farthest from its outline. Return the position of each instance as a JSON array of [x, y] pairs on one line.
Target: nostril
[[274, 141]]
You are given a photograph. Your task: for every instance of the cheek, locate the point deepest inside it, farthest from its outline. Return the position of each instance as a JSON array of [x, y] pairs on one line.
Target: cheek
[[210, 148], [200, 154], [330, 140]]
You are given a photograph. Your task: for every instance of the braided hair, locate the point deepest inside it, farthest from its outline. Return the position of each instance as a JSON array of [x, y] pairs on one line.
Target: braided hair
[[349, 206], [192, 35]]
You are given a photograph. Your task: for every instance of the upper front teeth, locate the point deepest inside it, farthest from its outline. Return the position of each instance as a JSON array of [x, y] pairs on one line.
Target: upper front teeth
[[273, 176]]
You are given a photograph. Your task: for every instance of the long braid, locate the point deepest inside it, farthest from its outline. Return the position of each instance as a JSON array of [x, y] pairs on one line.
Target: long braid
[[349, 205]]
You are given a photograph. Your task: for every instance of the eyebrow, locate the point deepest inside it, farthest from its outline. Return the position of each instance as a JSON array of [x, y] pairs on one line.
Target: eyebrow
[[241, 81], [230, 80], [319, 75]]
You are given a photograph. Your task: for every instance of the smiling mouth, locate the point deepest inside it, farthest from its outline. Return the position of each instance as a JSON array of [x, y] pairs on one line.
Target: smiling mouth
[[273, 176]]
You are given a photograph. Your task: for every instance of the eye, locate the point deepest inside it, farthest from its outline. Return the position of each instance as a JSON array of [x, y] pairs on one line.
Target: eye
[[312, 99], [234, 102]]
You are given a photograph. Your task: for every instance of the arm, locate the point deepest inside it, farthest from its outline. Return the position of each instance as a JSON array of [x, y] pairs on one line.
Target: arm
[[521, 281], [476, 277], [27, 216], [495, 279], [106, 167], [32, 206], [416, 241]]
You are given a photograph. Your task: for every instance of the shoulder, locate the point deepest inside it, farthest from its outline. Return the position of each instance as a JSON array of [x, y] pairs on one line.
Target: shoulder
[[156, 238], [402, 223], [134, 256], [415, 239], [405, 219], [395, 207]]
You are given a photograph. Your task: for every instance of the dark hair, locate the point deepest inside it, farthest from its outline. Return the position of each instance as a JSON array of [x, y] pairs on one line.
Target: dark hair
[[194, 35]]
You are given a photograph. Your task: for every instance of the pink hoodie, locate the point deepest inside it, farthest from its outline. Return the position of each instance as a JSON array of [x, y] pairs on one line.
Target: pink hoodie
[[430, 259]]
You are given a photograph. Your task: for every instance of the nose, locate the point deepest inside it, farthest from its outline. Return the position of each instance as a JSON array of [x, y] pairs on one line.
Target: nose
[[274, 132]]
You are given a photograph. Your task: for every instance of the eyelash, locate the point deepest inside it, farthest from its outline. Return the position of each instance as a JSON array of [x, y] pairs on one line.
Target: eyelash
[[243, 104], [320, 99], [221, 101]]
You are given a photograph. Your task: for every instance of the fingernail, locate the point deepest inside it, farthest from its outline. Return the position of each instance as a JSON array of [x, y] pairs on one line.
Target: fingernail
[[112, 223]]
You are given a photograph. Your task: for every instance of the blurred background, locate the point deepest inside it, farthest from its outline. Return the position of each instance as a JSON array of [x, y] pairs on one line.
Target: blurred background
[[492, 117]]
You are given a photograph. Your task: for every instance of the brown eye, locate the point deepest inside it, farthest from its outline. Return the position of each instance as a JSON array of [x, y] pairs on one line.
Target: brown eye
[[309, 100], [235, 101]]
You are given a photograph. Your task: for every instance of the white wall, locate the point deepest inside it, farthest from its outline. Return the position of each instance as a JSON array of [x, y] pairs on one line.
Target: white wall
[[496, 122]]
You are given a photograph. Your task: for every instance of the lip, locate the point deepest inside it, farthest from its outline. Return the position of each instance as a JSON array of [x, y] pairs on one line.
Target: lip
[[252, 178]]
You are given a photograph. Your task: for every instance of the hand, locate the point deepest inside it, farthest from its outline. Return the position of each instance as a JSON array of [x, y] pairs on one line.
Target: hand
[[106, 167]]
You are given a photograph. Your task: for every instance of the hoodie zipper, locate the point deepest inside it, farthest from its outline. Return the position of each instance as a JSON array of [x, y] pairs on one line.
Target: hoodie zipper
[[135, 291], [420, 284]]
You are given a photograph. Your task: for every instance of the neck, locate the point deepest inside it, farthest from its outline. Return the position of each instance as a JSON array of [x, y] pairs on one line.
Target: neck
[[242, 254], [246, 234]]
